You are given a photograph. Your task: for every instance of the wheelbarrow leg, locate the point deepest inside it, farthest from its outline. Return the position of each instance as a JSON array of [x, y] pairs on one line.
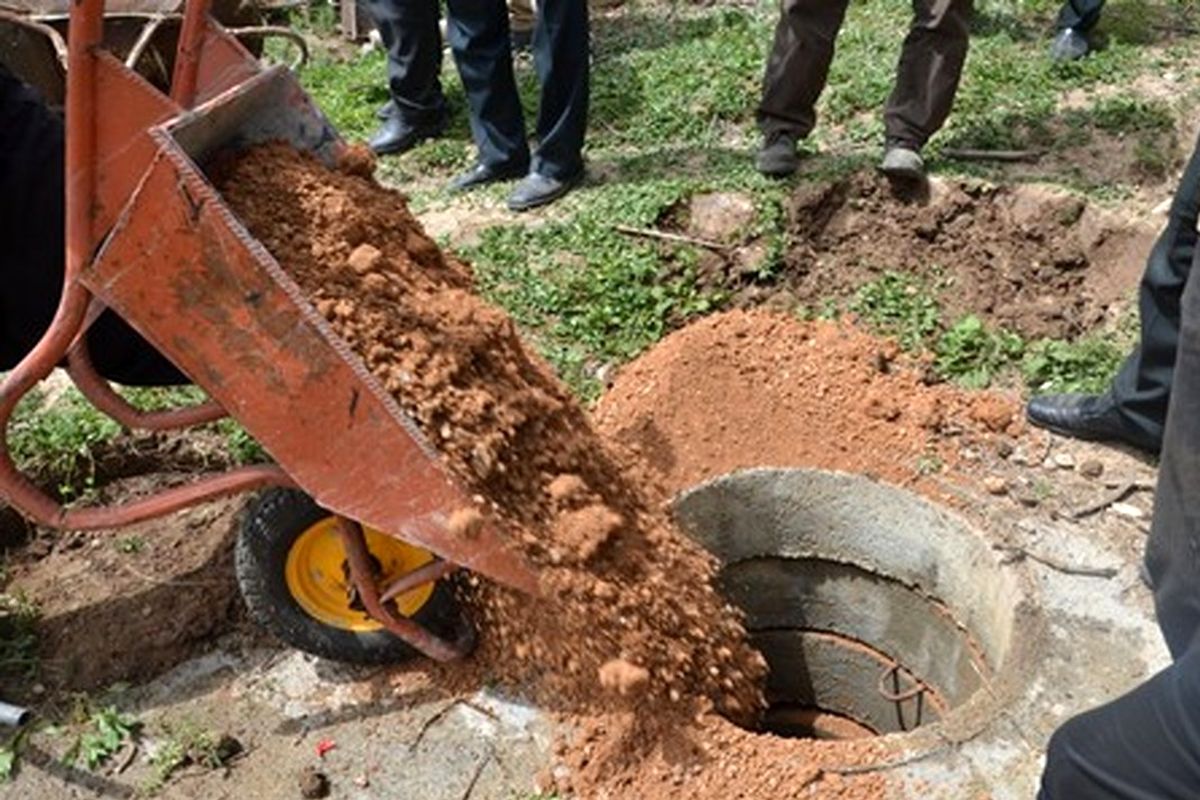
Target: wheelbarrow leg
[[421, 639]]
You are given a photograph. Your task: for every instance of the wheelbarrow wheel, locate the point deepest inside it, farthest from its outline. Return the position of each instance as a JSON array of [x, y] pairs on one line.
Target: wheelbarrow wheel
[[293, 577]]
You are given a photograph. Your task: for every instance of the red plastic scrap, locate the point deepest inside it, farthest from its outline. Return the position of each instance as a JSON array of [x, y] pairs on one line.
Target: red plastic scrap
[[324, 746]]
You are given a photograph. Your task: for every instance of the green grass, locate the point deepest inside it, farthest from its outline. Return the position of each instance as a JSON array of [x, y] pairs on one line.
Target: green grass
[[103, 732], [899, 306], [18, 636], [57, 443], [973, 355], [674, 92]]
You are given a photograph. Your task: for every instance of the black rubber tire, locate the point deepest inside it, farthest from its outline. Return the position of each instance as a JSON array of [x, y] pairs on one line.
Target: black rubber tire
[[270, 526]]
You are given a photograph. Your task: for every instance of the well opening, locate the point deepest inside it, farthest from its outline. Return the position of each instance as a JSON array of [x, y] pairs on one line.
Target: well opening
[[876, 611]]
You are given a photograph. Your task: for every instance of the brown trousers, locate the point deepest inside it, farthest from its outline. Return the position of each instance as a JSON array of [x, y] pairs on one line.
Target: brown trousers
[[931, 63]]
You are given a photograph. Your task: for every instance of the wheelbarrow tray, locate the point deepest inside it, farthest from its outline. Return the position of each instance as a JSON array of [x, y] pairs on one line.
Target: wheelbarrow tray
[[181, 268]]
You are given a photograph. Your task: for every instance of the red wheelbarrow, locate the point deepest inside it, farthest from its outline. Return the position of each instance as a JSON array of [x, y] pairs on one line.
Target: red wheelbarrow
[[346, 552]]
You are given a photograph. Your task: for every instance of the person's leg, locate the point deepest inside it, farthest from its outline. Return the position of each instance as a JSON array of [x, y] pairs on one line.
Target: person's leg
[[1173, 549], [409, 29], [798, 65], [32, 246], [1142, 746], [478, 34], [1080, 15], [560, 51], [1134, 409], [1143, 386], [931, 64]]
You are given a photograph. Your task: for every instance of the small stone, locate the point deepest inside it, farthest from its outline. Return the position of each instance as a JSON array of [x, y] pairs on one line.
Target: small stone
[[313, 784], [1004, 448], [1026, 497], [1091, 468], [995, 485], [227, 748], [1064, 461], [1128, 511]]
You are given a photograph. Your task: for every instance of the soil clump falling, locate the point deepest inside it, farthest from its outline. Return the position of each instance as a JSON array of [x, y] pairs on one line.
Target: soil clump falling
[[629, 602]]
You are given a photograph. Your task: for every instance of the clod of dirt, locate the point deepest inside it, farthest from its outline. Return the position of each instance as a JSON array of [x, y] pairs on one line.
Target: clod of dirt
[[585, 531], [364, 259], [565, 488], [313, 784], [508, 430], [994, 484], [621, 676], [465, 523], [1091, 468], [719, 216]]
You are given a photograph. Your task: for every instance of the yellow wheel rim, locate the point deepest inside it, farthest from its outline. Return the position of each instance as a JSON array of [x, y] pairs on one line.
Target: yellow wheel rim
[[318, 579]]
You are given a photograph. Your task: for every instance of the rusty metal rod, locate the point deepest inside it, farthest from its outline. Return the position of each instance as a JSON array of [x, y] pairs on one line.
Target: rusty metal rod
[[426, 573], [98, 391], [412, 632], [187, 55]]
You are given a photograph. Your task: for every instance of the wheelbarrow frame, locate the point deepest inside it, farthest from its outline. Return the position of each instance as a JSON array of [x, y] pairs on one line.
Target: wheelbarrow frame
[[119, 168]]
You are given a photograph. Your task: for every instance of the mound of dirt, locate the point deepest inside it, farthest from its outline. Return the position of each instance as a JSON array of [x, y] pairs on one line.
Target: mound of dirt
[[622, 583], [1035, 261], [763, 389]]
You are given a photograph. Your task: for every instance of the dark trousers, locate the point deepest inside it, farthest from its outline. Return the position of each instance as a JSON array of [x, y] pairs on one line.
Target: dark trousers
[[479, 38], [32, 250], [1143, 386], [931, 63], [1146, 745], [1082, 15], [409, 29]]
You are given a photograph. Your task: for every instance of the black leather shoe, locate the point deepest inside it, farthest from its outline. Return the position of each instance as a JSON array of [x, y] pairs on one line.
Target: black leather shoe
[[1086, 416], [396, 135], [536, 190], [483, 174]]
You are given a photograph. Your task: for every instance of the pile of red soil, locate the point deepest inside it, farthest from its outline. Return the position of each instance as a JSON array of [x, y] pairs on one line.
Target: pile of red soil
[[631, 615], [763, 389]]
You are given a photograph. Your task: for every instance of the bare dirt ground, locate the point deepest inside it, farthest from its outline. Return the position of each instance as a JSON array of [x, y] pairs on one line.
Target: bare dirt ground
[[1033, 259]]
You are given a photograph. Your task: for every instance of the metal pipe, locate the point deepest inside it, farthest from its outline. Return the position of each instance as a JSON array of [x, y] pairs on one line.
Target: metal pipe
[[421, 639], [14, 716], [97, 390], [187, 55]]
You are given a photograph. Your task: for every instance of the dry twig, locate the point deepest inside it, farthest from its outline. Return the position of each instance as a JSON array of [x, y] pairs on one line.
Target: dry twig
[[968, 154], [1015, 553], [677, 238], [1115, 496]]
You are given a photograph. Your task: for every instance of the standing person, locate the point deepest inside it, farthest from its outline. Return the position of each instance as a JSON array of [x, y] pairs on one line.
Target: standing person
[[1134, 409], [1076, 19], [416, 109], [478, 31], [927, 77], [1146, 744]]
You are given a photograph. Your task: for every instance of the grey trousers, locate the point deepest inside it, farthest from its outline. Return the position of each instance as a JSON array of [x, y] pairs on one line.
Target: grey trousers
[[927, 77]]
